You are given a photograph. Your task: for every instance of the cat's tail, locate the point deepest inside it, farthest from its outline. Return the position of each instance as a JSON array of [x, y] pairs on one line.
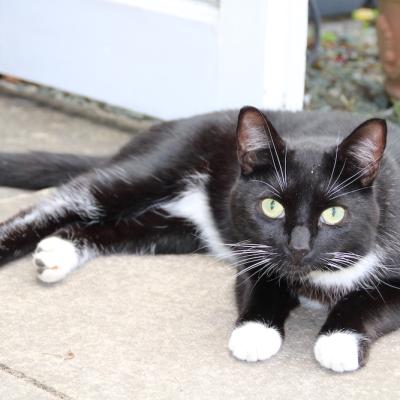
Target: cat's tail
[[39, 170]]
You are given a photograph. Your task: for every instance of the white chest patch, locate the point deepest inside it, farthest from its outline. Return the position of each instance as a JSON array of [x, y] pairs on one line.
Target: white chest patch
[[193, 205], [347, 278]]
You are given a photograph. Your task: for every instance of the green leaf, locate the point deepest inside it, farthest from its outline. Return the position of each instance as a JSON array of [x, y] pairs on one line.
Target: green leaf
[[329, 37], [396, 108]]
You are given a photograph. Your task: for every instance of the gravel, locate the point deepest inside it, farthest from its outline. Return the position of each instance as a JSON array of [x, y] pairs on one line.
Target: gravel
[[347, 74]]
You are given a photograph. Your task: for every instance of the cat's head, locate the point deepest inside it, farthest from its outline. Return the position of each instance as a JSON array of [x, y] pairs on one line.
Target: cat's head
[[309, 208]]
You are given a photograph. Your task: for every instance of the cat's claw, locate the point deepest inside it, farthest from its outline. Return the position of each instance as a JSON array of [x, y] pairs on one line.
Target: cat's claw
[[254, 341], [338, 351], [55, 258]]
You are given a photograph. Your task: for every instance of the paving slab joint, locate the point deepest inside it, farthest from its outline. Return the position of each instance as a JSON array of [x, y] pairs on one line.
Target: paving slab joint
[[32, 381]]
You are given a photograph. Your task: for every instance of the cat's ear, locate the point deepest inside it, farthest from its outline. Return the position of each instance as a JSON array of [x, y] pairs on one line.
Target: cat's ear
[[254, 133], [363, 149]]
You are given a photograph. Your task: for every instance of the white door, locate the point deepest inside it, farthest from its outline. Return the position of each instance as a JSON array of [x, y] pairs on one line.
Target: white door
[[164, 58]]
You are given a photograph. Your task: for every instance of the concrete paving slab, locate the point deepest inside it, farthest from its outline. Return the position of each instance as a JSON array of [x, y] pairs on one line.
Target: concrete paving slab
[[130, 327], [5, 193], [29, 126]]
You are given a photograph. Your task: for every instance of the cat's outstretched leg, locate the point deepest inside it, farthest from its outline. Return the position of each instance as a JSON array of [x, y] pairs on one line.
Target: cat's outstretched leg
[[122, 190], [264, 306], [70, 247], [115, 192], [72, 202], [354, 323]]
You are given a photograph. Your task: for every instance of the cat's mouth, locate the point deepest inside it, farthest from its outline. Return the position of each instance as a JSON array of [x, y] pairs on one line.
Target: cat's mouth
[[297, 271]]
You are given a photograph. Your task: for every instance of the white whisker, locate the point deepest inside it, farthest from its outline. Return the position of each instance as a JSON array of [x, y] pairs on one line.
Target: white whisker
[[337, 179], [275, 190], [279, 178], [334, 167], [351, 191]]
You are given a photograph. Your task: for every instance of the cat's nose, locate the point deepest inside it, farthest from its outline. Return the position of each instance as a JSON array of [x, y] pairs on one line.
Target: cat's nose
[[299, 244]]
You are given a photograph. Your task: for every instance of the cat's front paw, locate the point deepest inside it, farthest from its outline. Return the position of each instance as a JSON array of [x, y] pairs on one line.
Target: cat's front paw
[[254, 341], [339, 351], [55, 258]]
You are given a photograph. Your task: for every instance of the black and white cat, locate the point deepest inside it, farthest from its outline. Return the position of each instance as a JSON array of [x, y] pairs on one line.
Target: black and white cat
[[310, 212]]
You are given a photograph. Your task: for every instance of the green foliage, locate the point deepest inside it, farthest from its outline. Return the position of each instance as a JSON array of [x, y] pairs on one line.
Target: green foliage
[[396, 108], [329, 37]]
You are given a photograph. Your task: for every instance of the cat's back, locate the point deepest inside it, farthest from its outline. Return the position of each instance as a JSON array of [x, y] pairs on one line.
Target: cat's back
[[213, 130]]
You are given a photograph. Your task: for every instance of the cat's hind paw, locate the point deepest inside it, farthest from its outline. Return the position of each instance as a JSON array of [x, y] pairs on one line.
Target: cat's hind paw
[[55, 258], [339, 351], [254, 341]]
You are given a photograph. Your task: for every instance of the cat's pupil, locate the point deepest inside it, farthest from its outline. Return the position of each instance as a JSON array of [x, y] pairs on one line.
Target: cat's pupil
[[272, 205], [333, 211]]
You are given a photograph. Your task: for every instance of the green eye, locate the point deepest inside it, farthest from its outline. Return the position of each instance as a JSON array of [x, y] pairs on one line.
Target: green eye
[[333, 215], [272, 208]]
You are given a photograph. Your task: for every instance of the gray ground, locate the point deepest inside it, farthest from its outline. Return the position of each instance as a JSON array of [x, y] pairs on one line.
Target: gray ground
[[128, 327]]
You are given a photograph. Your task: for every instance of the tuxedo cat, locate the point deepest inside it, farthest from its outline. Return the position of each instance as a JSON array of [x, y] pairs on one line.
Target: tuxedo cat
[[305, 205]]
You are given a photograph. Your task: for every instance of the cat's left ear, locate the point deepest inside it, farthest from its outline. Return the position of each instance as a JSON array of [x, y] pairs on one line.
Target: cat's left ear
[[363, 149], [257, 140]]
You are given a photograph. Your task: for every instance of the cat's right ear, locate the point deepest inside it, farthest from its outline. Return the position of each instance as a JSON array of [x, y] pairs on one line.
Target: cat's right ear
[[254, 134]]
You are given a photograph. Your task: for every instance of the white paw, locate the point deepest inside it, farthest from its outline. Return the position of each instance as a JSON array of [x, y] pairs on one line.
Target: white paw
[[55, 258], [338, 351], [254, 341]]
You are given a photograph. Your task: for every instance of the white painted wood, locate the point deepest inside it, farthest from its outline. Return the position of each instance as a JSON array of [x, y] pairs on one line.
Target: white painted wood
[[148, 61], [166, 58], [285, 54], [241, 58]]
